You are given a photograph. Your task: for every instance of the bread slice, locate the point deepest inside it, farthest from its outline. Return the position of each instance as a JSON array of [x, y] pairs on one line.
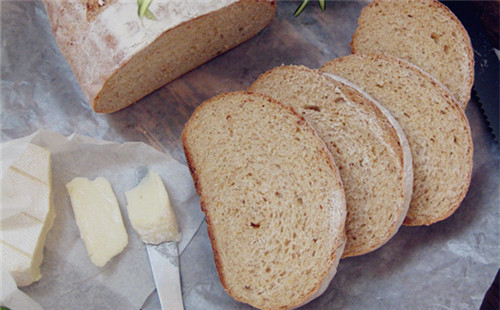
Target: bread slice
[[272, 196], [423, 32], [367, 144], [118, 58], [436, 128]]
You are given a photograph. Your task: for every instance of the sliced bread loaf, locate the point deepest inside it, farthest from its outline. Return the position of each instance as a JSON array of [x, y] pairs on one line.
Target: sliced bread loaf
[[367, 144], [272, 196], [118, 58], [424, 32], [436, 128]]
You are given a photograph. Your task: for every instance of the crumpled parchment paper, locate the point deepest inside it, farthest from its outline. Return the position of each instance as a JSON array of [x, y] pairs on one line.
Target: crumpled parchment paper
[[69, 279]]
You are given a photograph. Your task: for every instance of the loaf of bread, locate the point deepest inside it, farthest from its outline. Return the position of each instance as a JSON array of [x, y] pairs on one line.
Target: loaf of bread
[[367, 144], [118, 58], [436, 127], [423, 32], [272, 196]]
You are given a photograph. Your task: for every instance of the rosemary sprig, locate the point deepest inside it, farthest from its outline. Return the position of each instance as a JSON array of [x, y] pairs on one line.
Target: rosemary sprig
[[144, 9], [302, 6], [322, 4]]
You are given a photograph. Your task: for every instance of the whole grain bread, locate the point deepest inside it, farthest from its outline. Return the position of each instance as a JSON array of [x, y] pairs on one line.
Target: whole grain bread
[[436, 127], [367, 144], [272, 196], [423, 32], [118, 58]]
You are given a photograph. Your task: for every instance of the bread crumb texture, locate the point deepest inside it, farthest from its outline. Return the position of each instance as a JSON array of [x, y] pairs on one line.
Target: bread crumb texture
[[423, 32], [364, 145], [436, 128], [272, 196]]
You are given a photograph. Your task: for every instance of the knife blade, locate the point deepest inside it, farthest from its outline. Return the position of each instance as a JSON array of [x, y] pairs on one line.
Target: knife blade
[[164, 260]]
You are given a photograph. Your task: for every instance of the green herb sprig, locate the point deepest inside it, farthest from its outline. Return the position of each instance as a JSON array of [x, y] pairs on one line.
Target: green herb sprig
[[144, 9], [302, 6]]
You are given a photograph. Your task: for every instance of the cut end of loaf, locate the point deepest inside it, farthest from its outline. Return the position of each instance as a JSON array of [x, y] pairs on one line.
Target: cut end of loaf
[[119, 78], [272, 196], [373, 158]]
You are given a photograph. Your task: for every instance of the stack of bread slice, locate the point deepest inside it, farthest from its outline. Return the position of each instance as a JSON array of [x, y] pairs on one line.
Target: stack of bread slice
[[308, 166], [368, 146], [435, 126]]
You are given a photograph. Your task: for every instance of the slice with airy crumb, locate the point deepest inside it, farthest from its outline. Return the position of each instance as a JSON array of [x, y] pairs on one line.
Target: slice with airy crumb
[[423, 32], [367, 144], [272, 196], [436, 128]]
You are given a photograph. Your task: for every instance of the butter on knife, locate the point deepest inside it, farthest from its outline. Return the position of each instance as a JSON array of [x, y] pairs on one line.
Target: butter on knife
[[154, 220], [150, 212]]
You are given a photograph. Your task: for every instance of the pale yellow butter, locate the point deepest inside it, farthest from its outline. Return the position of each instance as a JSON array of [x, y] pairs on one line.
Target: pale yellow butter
[[22, 236], [98, 218], [150, 211]]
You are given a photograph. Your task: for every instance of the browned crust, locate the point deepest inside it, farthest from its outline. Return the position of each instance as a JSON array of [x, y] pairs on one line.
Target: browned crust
[[213, 242], [461, 29], [199, 188], [197, 185], [450, 99]]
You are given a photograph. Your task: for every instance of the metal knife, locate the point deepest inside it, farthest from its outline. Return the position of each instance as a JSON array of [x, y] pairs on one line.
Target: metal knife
[[164, 260]]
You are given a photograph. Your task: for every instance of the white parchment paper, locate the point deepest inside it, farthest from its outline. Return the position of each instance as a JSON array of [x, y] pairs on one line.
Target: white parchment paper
[[69, 279]]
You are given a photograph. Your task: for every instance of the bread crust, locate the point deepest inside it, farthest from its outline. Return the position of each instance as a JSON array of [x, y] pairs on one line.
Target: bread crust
[[444, 10], [340, 239]]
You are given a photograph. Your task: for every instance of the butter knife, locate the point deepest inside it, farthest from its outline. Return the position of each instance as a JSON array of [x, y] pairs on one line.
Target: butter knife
[[164, 260], [153, 219]]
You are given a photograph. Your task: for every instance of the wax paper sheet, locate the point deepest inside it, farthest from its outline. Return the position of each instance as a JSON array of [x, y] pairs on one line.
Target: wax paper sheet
[[69, 279], [448, 265]]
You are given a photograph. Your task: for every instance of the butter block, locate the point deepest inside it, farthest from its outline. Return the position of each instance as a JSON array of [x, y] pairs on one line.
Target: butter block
[[98, 218], [23, 235], [150, 212]]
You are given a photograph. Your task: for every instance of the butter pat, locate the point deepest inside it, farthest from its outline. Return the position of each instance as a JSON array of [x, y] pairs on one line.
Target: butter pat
[[22, 236], [150, 212], [98, 218]]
